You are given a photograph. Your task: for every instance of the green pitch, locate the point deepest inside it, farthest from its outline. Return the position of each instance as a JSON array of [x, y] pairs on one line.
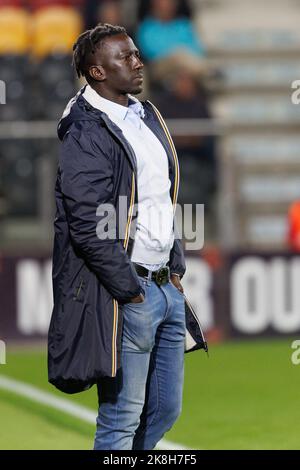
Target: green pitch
[[245, 396]]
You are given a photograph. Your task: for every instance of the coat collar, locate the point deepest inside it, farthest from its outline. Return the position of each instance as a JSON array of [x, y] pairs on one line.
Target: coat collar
[[111, 108]]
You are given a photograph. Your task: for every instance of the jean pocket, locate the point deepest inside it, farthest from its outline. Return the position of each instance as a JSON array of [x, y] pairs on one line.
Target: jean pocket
[[143, 285], [136, 303], [177, 290]]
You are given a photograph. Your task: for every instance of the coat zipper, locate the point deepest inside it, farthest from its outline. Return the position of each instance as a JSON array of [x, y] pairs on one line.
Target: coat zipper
[[115, 303], [78, 290], [126, 239]]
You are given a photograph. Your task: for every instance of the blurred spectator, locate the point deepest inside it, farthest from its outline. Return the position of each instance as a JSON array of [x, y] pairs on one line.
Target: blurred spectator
[[185, 98], [110, 12], [182, 8], [163, 33], [103, 11], [161, 71]]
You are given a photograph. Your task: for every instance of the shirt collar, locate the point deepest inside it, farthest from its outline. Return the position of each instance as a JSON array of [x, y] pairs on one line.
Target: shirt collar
[[110, 107]]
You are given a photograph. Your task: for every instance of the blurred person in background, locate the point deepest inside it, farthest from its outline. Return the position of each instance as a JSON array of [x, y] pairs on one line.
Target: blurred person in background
[[112, 142], [163, 34], [105, 11], [102, 11], [183, 96], [183, 9], [168, 40]]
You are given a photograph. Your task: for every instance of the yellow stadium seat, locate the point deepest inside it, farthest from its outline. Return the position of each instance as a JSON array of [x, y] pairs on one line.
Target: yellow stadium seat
[[55, 29], [14, 30]]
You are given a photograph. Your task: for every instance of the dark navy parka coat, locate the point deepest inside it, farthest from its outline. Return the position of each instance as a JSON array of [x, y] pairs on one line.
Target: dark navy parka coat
[[92, 277]]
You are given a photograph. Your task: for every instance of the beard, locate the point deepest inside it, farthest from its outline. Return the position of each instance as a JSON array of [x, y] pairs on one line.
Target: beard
[[136, 89]]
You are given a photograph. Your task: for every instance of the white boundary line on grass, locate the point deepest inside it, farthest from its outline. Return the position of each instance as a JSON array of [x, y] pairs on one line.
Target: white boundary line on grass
[[64, 405]]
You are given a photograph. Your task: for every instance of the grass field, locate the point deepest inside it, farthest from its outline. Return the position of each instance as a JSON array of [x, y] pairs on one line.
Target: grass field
[[245, 396]]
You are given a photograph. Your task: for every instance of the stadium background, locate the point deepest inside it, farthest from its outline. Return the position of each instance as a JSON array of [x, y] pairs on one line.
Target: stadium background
[[221, 72]]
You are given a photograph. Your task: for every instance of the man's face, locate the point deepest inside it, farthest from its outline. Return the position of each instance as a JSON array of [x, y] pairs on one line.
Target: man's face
[[122, 69]]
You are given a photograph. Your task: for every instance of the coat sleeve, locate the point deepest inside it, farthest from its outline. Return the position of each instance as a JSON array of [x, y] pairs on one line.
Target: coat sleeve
[[177, 261], [87, 182]]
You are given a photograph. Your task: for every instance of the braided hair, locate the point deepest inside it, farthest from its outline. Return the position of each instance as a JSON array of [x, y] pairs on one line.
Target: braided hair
[[87, 43]]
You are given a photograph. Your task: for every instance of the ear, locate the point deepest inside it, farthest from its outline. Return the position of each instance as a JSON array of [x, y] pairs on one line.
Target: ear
[[97, 73]]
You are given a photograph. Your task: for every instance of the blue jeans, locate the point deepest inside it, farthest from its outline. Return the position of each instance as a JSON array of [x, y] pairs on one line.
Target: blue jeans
[[144, 400]]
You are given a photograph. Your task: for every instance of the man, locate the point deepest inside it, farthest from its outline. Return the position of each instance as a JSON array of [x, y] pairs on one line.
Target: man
[[117, 297]]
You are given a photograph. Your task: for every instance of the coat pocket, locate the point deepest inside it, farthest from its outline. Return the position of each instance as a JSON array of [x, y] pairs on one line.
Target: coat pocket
[[194, 335]]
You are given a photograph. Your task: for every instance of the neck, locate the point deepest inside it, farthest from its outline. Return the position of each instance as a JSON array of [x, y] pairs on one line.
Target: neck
[[119, 98]]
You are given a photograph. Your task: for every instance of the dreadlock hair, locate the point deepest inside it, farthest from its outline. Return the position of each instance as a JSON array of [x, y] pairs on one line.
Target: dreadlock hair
[[87, 43]]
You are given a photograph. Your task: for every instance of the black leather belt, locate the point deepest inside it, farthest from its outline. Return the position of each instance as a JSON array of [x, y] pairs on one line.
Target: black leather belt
[[161, 276]]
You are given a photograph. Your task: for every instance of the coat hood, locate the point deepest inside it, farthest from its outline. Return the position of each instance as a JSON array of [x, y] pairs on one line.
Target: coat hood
[[77, 109]]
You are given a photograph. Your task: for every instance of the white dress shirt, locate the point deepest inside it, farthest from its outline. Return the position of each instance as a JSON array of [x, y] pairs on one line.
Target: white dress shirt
[[154, 231]]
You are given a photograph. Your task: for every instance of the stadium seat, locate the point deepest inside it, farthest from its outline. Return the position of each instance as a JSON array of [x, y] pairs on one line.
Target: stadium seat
[[13, 66], [38, 4], [50, 106], [14, 30], [20, 182], [53, 83], [54, 69], [14, 72], [58, 98], [55, 29]]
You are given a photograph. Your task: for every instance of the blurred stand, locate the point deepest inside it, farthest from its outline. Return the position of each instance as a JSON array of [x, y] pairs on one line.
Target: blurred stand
[[219, 72], [172, 32], [36, 39]]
